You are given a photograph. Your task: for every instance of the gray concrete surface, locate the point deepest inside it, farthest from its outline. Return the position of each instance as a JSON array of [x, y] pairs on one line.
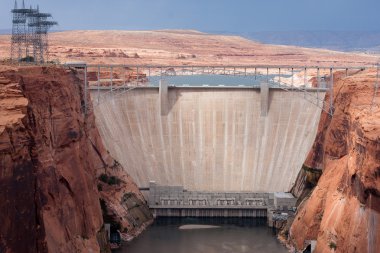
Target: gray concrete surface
[[209, 139]]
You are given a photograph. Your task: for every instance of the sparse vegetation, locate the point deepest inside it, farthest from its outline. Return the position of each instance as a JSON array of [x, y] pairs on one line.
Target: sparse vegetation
[[320, 216], [27, 59], [312, 176], [112, 180], [103, 178], [181, 56], [332, 245]]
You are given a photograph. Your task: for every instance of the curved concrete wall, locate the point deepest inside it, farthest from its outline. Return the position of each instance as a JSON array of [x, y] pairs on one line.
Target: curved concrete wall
[[211, 139]]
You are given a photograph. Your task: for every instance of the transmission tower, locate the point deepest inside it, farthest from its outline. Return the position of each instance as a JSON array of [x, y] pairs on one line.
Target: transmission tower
[[30, 29], [19, 30]]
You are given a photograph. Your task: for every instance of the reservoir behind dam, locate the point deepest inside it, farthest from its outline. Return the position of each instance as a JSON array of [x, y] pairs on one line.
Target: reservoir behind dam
[[231, 235]]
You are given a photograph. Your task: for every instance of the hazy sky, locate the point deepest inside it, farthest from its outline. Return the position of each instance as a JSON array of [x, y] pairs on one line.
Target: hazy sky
[[208, 15]]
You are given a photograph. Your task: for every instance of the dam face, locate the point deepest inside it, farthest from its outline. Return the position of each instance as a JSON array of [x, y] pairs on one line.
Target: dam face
[[209, 139]]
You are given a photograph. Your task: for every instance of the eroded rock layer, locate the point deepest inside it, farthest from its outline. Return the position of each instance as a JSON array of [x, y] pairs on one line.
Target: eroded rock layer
[[343, 211]]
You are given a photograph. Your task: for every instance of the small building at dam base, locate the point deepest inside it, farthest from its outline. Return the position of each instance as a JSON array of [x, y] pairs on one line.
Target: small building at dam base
[[175, 201]]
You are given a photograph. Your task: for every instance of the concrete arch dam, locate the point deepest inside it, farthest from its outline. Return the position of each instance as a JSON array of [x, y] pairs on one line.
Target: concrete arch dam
[[223, 139]]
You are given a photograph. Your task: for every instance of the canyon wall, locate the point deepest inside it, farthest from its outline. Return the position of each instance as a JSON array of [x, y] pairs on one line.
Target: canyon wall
[[343, 211], [52, 159]]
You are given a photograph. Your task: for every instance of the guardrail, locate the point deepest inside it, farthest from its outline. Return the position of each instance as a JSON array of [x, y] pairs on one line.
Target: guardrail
[[309, 80]]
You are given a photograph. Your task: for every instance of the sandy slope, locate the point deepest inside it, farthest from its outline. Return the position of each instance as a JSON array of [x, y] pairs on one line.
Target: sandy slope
[[175, 47]]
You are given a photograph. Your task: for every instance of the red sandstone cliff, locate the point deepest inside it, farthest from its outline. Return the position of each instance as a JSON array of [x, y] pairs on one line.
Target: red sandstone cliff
[[50, 160], [343, 211]]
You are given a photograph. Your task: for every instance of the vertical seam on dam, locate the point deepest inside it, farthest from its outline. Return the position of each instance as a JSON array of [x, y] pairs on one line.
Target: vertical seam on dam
[[225, 146], [183, 178], [246, 127]]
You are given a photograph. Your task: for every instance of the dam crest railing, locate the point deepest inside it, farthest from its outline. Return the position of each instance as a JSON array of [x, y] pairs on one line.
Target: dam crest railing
[[311, 81]]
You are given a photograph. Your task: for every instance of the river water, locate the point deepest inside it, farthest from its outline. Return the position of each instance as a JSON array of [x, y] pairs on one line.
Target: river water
[[231, 236]]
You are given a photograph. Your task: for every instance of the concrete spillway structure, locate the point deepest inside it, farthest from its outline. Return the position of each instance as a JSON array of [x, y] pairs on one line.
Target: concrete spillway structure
[[209, 139]]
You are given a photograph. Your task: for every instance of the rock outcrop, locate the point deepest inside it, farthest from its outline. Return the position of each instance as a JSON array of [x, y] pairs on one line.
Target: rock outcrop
[[51, 156], [343, 211]]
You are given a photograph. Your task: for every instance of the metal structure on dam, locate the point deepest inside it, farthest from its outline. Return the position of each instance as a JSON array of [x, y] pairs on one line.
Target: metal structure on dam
[[221, 137]]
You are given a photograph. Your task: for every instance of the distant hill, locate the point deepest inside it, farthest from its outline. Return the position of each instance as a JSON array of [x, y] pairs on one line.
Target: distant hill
[[183, 48], [339, 41], [342, 41]]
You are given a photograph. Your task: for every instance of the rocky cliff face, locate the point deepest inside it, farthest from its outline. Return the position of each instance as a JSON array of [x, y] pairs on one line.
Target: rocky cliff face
[[343, 211], [51, 158]]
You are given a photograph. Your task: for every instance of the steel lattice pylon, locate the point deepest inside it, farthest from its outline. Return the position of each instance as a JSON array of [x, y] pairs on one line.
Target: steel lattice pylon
[[30, 28]]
